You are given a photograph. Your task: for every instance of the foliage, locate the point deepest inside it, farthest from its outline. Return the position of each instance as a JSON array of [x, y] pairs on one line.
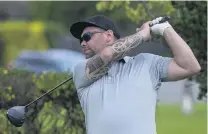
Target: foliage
[[64, 12], [188, 19], [19, 35], [59, 112], [32, 35], [138, 11], [193, 28]]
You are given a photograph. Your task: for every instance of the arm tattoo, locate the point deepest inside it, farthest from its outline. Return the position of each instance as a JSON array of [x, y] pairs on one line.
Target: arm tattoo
[[97, 66], [123, 46]]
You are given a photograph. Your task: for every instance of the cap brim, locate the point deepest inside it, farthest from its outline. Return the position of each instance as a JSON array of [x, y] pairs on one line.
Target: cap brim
[[78, 27]]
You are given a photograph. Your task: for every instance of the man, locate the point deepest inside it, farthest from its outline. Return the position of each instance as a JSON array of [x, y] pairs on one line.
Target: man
[[118, 93]]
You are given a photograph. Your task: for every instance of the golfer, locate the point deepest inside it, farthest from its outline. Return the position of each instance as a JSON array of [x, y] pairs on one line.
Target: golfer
[[118, 93]]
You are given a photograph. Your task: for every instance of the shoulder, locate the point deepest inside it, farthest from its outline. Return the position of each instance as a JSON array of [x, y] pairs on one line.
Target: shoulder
[[146, 57], [81, 63], [79, 66], [149, 57]]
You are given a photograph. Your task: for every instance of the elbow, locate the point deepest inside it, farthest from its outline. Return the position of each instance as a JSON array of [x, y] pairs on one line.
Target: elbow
[[196, 69]]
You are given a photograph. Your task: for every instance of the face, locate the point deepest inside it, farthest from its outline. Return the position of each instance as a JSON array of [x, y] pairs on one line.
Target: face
[[94, 40]]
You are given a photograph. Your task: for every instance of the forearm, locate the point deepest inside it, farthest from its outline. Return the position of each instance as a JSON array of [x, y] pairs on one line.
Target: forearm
[[182, 53], [97, 65]]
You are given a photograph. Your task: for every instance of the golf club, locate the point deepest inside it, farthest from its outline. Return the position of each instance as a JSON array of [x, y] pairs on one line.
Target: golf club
[[16, 114]]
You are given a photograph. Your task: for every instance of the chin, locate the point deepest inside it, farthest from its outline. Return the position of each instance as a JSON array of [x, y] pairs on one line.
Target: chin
[[87, 56]]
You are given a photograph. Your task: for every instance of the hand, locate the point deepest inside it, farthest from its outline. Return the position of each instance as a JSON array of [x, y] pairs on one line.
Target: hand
[[159, 28], [145, 31]]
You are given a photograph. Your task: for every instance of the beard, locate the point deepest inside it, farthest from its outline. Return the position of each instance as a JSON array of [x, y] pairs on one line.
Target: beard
[[90, 54]]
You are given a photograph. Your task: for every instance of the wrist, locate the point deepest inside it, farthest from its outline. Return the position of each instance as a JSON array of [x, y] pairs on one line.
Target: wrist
[[168, 31]]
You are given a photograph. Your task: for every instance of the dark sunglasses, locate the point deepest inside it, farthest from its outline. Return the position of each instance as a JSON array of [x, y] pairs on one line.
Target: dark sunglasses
[[88, 35]]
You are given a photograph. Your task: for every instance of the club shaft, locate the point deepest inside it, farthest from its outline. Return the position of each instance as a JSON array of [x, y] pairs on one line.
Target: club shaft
[[49, 91]]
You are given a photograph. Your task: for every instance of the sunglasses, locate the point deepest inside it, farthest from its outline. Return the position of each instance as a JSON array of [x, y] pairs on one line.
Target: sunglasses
[[87, 36]]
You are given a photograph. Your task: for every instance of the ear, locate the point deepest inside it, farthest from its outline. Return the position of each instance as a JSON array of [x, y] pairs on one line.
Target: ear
[[110, 36]]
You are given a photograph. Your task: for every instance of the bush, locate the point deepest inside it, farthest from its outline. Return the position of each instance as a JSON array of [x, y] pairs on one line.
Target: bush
[[59, 112]]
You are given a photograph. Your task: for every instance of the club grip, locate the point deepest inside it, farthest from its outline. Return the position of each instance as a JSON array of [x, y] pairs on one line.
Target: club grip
[[164, 19]]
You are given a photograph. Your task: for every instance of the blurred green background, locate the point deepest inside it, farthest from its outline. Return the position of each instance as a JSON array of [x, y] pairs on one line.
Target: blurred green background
[[170, 120], [32, 25]]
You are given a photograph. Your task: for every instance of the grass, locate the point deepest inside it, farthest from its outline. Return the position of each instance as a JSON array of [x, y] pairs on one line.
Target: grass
[[170, 120]]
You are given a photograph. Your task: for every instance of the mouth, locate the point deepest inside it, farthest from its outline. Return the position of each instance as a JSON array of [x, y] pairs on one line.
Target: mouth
[[86, 51]]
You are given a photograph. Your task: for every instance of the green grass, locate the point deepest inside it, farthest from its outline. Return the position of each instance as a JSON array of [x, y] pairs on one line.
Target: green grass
[[170, 120]]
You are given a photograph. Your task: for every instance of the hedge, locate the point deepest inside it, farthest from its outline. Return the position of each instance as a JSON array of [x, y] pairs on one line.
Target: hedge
[[59, 112]]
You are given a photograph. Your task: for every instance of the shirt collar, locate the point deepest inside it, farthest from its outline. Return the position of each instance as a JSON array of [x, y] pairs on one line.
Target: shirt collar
[[125, 59]]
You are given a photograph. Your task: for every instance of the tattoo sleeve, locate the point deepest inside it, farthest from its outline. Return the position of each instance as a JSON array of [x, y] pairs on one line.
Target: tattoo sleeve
[[97, 66]]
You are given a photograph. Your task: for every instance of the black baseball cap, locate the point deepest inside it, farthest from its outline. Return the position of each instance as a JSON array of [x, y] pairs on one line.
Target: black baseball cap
[[98, 21]]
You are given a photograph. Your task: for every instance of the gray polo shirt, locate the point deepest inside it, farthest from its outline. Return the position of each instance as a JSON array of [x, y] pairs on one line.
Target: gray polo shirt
[[124, 100]]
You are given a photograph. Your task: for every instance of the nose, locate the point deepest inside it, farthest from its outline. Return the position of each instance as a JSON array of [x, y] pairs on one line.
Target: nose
[[83, 44]]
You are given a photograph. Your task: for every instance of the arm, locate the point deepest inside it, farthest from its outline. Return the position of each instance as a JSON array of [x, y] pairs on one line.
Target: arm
[[87, 72], [97, 65], [184, 63]]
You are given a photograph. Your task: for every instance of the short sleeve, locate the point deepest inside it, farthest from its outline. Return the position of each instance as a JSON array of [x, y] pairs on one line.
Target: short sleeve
[[79, 77], [158, 67]]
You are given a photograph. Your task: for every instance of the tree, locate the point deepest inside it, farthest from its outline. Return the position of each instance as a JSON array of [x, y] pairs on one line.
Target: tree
[[64, 12], [193, 28]]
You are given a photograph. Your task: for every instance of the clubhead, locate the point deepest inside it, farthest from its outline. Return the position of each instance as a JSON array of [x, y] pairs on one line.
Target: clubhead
[[16, 115]]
